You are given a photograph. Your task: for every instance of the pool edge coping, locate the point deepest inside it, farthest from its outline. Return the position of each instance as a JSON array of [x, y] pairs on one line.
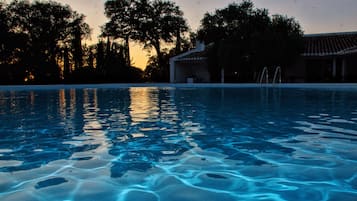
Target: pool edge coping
[[184, 85]]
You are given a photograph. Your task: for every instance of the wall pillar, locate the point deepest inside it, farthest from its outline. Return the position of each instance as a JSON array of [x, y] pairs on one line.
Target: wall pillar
[[334, 68], [343, 73]]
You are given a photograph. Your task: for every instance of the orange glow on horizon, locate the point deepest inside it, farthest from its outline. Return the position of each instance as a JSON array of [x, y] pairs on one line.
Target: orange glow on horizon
[[138, 56]]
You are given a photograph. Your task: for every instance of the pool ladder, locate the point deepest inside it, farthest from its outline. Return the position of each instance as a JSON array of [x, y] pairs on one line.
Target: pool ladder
[[277, 75], [265, 76]]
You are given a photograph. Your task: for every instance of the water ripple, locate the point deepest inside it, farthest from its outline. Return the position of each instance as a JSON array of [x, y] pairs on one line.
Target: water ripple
[[178, 144]]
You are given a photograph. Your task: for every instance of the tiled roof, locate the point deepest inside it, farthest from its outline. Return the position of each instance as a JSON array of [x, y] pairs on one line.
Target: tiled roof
[[194, 56], [325, 44], [330, 44]]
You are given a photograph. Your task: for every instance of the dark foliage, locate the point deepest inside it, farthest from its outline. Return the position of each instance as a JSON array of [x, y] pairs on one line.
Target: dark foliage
[[41, 43], [245, 39], [151, 23]]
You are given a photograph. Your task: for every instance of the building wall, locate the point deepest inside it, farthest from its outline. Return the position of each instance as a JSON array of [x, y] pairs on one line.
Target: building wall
[[318, 69], [351, 68], [198, 71], [322, 69], [305, 69], [295, 73]]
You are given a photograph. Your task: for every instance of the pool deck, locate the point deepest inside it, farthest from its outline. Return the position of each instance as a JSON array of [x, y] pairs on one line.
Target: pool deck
[[169, 85]]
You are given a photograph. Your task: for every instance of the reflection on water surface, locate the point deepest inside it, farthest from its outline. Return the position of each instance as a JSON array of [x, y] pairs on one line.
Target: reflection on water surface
[[209, 143]]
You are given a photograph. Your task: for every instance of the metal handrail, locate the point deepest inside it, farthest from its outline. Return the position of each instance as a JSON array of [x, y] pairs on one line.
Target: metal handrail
[[277, 72], [266, 73]]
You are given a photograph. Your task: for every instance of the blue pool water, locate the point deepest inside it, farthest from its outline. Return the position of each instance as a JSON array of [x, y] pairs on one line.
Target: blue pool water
[[178, 144]]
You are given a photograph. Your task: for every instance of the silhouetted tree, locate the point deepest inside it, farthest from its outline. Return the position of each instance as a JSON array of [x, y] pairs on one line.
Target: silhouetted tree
[[90, 56], [106, 63], [11, 43], [4, 33], [46, 31], [245, 39], [122, 16], [5, 50], [66, 63], [151, 23], [99, 55], [160, 22], [78, 31], [156, 72], [288, 36]]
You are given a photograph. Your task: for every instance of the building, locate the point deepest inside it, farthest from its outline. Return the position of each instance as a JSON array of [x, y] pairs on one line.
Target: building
[[190, 66], [327, 57]]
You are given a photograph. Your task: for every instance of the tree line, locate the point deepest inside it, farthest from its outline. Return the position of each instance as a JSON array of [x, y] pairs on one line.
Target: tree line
[[41, 42]]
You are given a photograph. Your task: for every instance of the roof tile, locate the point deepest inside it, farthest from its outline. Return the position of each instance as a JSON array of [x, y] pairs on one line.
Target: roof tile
[[329, 44]]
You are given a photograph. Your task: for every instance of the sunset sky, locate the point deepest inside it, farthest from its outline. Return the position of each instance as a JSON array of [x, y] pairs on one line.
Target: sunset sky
[[315, 16]]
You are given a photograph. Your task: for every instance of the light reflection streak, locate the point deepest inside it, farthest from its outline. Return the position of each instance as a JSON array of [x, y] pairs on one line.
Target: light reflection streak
[[72, 94], [67, 108], [92, 127], [62, 103], [32, 98], [2, 102], [144, 104]]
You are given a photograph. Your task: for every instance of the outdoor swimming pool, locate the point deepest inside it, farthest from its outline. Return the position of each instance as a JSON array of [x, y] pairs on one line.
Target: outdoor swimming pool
[[178, 144]]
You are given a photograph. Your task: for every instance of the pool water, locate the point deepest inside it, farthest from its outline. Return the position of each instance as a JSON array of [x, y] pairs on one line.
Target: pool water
[[178, 144]]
